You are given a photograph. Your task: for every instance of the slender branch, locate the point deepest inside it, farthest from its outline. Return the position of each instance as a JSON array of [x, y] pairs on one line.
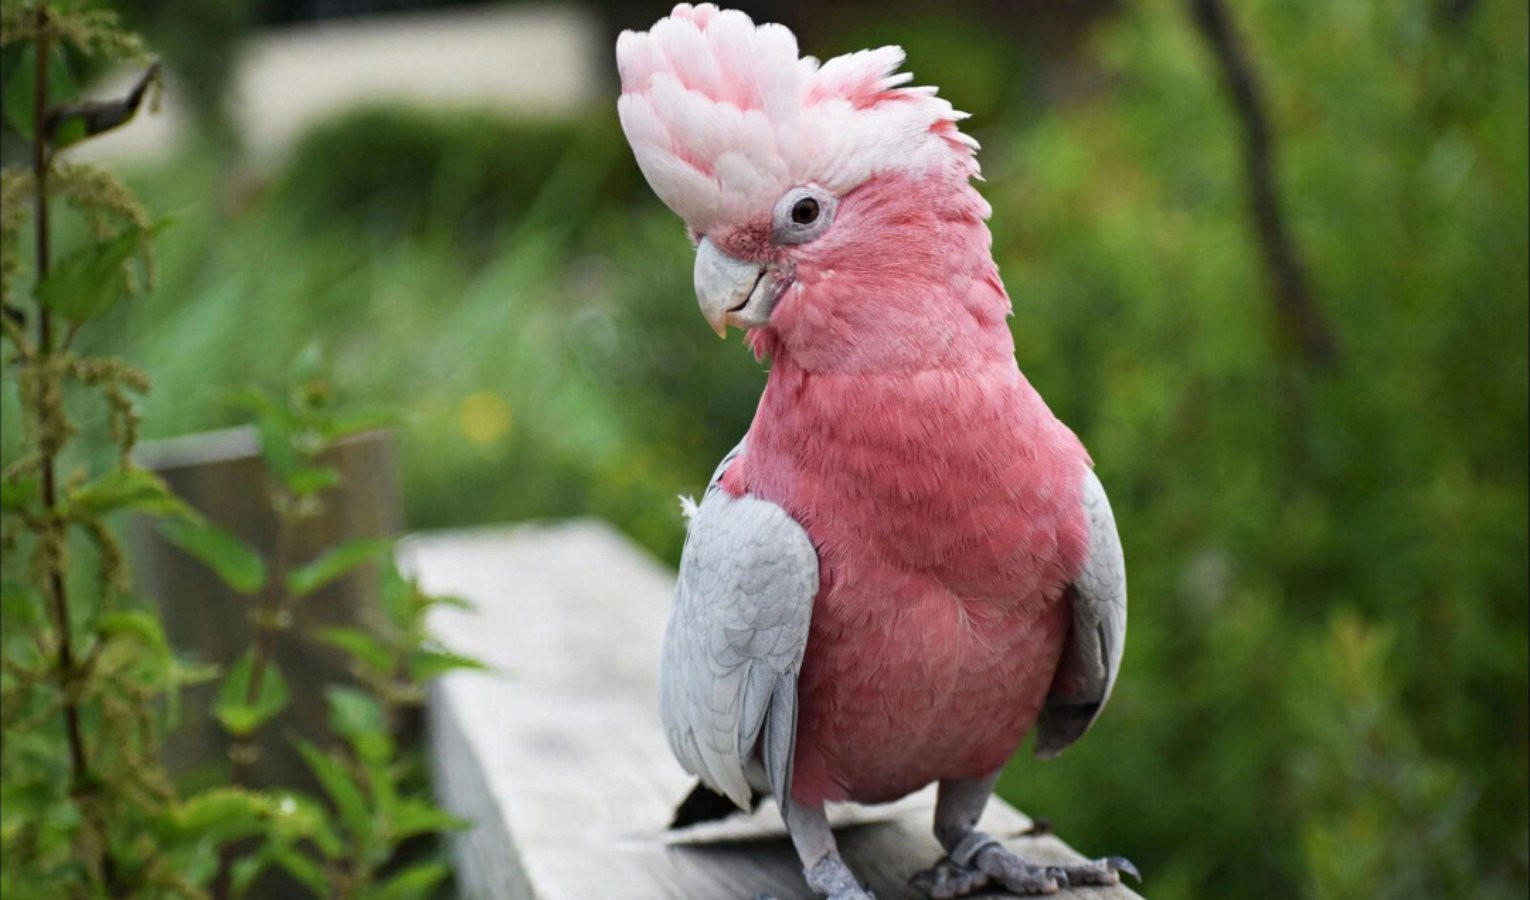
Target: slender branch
[[68, 672], [1300, 319], [271, 608], [56, 587], [243, 750]]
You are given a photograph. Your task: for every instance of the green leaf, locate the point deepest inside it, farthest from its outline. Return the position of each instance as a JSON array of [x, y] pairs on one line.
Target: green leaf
[[133, 645], [136, 489], [344, 426], [357, 716], [223, 813], [342, 789], [136, 623], [19, 493], [245, 870], [397, 596], [362, 645], [425, 664], [353, 711], [296, 816], [336, 562], [21, 89], [312, 479], [278, 429], [236, 565], [20, 604], [414, 815], [71, 131], [411, 883], [235, 711], [405, 604], [87, 282]]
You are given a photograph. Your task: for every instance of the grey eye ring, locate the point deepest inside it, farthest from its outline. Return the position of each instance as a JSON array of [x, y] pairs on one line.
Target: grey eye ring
[[803, 214]]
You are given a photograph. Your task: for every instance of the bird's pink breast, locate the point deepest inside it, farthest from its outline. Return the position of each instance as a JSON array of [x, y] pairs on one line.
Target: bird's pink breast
[[945, 508]]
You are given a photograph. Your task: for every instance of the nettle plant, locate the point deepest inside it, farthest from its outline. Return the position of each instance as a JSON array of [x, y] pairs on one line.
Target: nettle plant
[[88, 681], [377, 793]]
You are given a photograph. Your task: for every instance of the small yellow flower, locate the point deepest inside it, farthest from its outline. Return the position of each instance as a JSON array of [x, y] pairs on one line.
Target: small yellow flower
[[485, 417]]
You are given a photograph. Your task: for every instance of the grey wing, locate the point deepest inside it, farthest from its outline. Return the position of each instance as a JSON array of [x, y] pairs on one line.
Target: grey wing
[[734, 645], [1092, 656]]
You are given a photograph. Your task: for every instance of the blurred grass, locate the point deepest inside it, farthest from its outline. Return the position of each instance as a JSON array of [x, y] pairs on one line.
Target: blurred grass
[[1325, 689]]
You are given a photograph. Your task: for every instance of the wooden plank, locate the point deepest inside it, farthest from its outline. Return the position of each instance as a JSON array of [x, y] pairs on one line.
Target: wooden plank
[[559, 759]]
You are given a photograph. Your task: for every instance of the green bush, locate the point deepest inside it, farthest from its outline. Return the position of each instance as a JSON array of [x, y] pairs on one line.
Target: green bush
[[394, 172]]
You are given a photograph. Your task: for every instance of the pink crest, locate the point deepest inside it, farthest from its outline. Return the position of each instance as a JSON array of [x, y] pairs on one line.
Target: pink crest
[[724, 117]]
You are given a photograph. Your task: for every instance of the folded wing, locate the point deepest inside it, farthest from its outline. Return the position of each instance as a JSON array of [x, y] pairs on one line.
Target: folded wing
[[734, 645], [1092, 656]]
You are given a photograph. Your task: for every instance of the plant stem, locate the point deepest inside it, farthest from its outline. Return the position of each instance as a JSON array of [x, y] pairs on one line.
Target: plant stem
[[56, 588], [272, 602], [67, 670], [274, 605]]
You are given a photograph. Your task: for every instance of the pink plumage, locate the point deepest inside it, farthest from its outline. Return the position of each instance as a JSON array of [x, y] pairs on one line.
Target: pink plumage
[[942, 495], [968, 574]]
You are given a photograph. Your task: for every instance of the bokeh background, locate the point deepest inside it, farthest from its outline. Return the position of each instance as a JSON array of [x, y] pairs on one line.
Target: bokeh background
[[1325, 689]]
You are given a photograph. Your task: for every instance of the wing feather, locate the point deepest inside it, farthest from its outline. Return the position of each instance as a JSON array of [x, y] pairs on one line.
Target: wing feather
[[1092, 657], [736, 636]]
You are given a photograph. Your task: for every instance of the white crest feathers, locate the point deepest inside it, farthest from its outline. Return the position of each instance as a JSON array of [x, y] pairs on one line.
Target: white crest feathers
[[724, 117]]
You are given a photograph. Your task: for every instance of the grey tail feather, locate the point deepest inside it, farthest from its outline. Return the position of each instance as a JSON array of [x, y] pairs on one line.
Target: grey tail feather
[[703, 804]]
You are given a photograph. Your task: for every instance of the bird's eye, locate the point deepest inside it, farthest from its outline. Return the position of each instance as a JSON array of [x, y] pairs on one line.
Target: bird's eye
[[803, 214]]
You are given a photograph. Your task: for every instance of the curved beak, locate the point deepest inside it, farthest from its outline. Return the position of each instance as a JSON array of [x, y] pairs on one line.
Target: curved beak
[[732, 291]]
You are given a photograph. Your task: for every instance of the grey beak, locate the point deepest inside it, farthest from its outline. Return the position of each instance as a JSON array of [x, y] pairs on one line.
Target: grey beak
[[731, 291]]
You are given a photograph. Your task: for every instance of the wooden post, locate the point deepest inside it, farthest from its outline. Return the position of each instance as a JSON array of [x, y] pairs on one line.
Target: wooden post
[[220, 474], [558, 757]]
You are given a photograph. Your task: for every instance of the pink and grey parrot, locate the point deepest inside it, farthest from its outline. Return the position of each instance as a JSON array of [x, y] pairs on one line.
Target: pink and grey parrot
[[908, 562]]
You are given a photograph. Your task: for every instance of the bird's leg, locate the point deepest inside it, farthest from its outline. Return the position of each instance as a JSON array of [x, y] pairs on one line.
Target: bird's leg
[[825, 871], [974, 861]]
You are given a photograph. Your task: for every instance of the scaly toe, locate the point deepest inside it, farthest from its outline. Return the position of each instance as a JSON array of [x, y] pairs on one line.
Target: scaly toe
[[980, 862], [1018, 876], [1101, 871], [992, 867], [946, 880]]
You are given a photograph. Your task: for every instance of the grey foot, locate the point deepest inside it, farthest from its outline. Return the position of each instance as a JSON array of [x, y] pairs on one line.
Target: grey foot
[[980, 862]]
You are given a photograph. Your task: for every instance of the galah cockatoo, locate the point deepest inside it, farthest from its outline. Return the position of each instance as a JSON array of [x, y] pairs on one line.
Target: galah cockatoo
[[908, 562]]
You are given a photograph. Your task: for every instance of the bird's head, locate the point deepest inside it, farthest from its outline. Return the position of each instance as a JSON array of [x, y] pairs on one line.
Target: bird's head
[[810, 190]]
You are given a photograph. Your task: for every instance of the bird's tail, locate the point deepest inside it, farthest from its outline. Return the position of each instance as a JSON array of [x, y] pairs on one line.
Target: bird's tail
[[703, 804]]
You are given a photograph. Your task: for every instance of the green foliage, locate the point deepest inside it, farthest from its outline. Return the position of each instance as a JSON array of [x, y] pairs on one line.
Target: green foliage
[[84, 666], [334, 563], [236, 565], [243, 706], [472, 176], [89, 682], [374, 787]]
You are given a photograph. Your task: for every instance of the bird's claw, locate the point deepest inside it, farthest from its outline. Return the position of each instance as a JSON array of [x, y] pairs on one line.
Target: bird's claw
[[1101, 871], [995, 866]]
